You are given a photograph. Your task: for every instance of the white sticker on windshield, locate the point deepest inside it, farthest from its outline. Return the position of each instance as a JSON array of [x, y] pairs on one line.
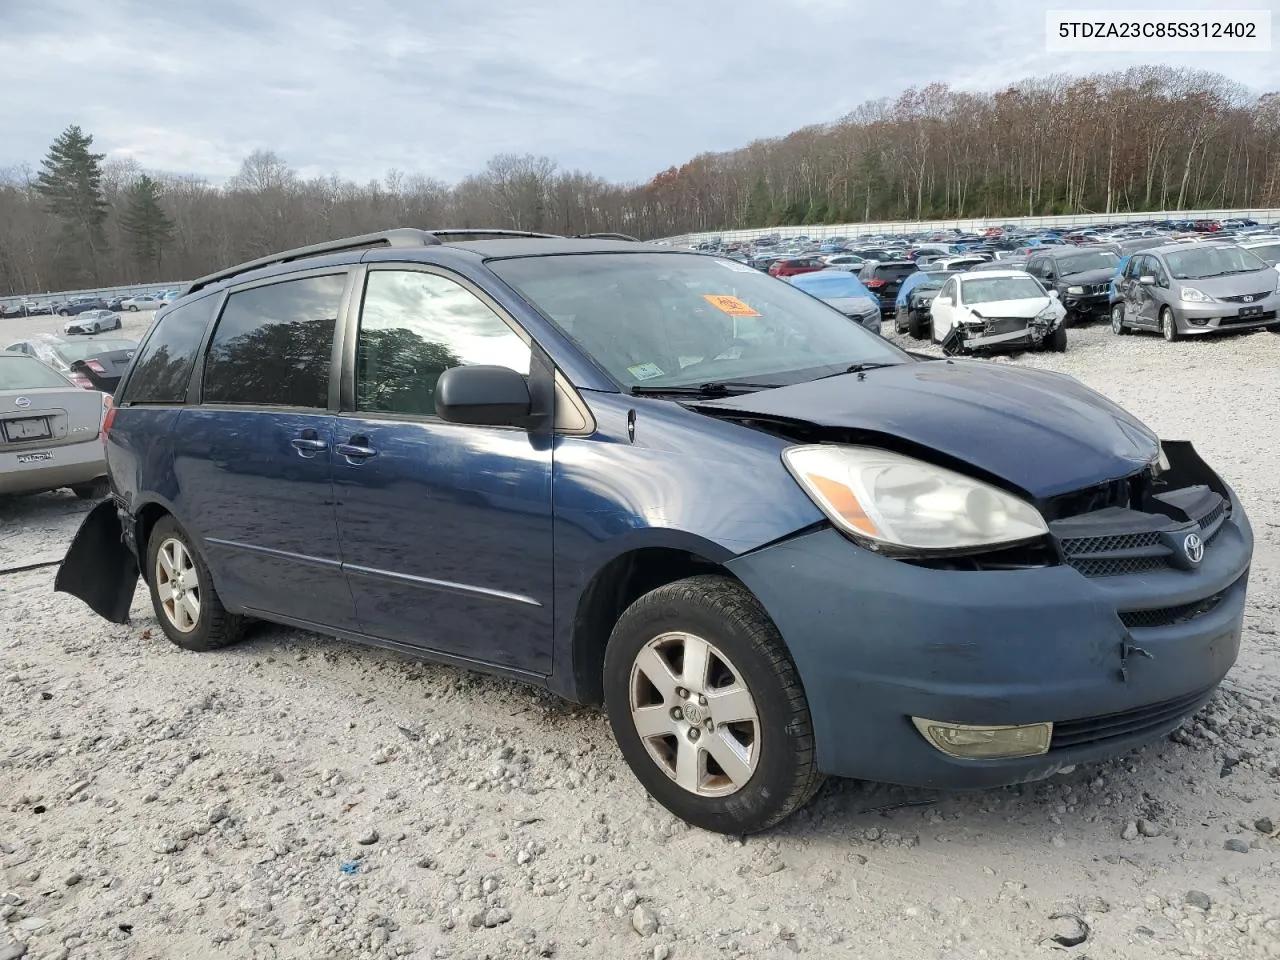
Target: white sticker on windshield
[[735, 266], [645, 371]]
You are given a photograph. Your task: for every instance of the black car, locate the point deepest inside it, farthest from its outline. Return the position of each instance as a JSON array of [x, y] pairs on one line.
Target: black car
[[75, 307], [1082, 277], [90, 362], [883, 278]]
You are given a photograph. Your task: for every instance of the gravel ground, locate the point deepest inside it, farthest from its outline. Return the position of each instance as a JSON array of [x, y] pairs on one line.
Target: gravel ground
[[295, 796]]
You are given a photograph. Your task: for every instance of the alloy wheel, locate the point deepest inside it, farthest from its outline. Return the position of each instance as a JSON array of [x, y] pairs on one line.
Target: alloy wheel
[[178, 585], [1117, 319], [694, 714]]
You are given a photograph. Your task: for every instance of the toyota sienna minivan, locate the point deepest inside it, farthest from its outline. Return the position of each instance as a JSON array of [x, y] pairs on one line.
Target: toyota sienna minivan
[[772, 544]]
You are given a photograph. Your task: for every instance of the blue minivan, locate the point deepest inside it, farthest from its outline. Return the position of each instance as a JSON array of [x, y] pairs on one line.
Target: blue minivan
[[772, 544]]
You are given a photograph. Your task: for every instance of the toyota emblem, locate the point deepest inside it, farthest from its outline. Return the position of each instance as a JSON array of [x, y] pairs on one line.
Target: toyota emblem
[[22, 402], [1193, 547]]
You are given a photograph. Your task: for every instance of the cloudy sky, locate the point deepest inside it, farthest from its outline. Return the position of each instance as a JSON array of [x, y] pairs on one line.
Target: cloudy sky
[[622, 88]]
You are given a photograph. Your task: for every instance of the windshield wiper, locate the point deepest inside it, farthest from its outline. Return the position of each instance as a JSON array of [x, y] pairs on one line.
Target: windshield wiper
[[716, 388], [861, 367]]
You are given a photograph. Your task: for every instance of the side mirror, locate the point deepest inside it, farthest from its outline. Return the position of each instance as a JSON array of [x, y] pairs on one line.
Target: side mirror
[[1147, 281], [483, 395], [1053, 294]]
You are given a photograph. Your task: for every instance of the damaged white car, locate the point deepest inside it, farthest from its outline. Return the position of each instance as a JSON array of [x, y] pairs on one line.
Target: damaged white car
[[997, 310]]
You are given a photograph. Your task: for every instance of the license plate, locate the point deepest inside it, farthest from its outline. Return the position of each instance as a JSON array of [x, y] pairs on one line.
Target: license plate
[[39, 456], [35, 428], [1250, 312]]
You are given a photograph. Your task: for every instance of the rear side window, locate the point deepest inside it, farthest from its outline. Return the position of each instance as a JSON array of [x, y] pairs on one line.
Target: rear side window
[[273, 344], [162, 372]]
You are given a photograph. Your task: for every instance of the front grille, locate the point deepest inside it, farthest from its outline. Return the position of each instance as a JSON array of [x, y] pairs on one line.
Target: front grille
[[1116, 567], [1168, 616], [992, 326], [1256, 318], [1247, 297], [1093, 289], [1126, 723], [1134, 551]]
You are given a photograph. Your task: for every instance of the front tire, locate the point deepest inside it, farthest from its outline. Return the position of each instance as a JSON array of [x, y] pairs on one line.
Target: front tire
[[1168, 326], [1056, 342], [708, 709], [185, 600], [1118, 326], [916, 325], [132, 308]]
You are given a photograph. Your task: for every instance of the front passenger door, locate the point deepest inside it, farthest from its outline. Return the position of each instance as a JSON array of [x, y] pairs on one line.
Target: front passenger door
[[445, 527]]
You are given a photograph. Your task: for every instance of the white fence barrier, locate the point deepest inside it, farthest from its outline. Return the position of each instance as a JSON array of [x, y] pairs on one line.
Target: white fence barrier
[[824, 230]]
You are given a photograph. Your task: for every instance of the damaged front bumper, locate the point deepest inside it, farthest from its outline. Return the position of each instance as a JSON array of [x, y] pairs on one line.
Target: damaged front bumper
[[1000, 334], [1112, 661]]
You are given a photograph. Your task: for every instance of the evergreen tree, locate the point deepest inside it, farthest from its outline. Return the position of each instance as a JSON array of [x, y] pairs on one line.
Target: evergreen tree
[[146, 224], [70, 180], [759, 205]]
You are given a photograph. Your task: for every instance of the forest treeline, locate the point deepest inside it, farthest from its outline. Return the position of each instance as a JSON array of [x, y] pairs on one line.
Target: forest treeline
[[1148, 138]]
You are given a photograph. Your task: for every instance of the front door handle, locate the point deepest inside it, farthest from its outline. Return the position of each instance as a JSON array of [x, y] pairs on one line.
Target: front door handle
[[309, 444], [356, 450]]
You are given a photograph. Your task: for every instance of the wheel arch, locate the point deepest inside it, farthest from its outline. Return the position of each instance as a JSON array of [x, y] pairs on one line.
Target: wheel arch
[[619, 582]]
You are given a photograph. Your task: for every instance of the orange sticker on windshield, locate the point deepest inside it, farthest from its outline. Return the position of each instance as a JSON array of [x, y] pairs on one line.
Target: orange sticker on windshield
[[730, 305]]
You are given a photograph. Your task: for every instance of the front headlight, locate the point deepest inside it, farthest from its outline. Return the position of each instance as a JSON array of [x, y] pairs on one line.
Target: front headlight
[[890, 502], [1048, 313], [1192, 295], [1075, 290]]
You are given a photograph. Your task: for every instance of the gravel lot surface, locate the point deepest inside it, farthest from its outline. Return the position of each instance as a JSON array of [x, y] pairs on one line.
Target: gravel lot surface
[[295, 796]]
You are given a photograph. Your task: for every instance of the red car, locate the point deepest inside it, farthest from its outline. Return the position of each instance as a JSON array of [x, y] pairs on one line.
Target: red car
[[795, 265]]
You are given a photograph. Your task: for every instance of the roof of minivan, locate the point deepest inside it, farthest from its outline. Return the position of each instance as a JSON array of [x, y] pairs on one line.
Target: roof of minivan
[[538, 247]]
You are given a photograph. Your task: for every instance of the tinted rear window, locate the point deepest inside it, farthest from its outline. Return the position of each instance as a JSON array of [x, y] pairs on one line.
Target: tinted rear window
[[273, 344], [895, 271], [163, 369]]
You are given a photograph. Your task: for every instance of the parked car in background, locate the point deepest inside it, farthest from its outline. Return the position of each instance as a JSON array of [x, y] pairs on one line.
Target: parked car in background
[[655, 480], [92, 321], [997, 310], [49, 431], [144, 302], [884, 279], [91, 363], [793, 266], [1005, 263], [1267, 249], [915, 299], [846, 261], [843, 291], [80, 305], [1080, 275], [1181, 290]]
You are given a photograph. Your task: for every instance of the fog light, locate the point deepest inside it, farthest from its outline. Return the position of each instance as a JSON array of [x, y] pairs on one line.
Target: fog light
[[972, 742], [1198, 321]]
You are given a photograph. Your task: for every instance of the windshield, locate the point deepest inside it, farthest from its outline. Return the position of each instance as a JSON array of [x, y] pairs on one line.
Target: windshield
[[932, 280], [1097, 260], [830, 285], [1204, 262], [24, 373], [991, 289], [682, 319], [71, 352]]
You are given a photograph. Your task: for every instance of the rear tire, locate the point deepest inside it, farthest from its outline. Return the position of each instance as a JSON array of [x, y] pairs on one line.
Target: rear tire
[[727, 746], [180, 577], [95, 490], [1168, 326]]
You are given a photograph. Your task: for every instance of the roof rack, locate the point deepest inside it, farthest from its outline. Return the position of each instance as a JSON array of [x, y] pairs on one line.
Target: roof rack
[[606, 236], [399, 237], [469, 233]]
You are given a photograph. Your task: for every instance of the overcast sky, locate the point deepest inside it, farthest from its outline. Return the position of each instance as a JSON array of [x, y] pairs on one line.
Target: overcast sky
[[623, 88]]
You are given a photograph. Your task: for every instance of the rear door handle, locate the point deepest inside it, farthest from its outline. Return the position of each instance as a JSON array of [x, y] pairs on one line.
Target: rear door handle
[[356, 452]]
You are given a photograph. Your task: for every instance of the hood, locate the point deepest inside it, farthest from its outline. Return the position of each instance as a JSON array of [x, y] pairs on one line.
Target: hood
[[1237, 284], [853, 306], [1042, 432], [1022, 308], [1101, 275]]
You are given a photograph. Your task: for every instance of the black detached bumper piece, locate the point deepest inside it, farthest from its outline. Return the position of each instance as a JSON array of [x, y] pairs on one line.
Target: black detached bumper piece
[[98, 567]]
